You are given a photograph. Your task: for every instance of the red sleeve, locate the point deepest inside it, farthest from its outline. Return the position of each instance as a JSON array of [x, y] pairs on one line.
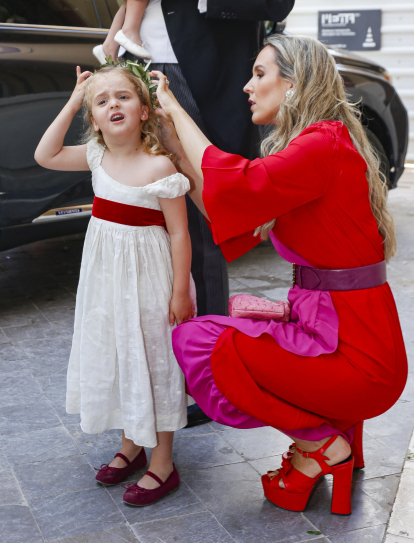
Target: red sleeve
[[240, 195]]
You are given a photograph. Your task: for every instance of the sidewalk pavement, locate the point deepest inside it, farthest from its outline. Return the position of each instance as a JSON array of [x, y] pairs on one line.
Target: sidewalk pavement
[[48, 492]]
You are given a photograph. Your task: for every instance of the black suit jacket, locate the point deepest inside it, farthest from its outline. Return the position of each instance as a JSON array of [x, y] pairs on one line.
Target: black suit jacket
[[216, 53]]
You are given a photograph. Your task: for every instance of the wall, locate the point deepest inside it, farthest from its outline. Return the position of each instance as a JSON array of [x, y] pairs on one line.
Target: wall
[[397, 46]]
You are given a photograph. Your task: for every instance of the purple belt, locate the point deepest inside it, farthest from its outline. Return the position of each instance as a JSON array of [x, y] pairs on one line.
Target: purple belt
[[350, 279]]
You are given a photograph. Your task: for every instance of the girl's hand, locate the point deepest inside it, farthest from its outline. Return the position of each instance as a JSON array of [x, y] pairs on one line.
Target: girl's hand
[[166, 98], [78, 94], [181, 309]]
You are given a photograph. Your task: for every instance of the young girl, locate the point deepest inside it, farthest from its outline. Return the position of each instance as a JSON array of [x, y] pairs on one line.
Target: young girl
[[134, 281], [124, 31]]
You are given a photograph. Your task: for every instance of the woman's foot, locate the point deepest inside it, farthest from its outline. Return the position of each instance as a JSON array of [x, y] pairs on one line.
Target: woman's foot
[[338, 451]]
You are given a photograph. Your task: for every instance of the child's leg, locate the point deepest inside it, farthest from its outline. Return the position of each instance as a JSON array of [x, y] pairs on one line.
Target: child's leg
[[161, 461], [128, 449], [133, 18], [110, 46]]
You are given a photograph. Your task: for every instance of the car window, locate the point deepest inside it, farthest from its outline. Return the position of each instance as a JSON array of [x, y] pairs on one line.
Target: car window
[[81, 13]]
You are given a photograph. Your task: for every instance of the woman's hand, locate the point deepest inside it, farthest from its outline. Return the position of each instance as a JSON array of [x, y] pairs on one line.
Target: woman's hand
[[181, 308], [78, 94], [166, 98]]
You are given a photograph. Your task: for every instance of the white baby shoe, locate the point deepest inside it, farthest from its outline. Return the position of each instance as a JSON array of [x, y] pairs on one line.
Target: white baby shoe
[[99, 54], [137, 50]]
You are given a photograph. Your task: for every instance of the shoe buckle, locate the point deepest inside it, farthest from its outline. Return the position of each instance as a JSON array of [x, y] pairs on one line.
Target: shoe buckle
[[305, 454]]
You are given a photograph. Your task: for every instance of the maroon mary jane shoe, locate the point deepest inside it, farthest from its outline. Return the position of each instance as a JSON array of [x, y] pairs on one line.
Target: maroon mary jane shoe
[[138, 496], [107, 475]]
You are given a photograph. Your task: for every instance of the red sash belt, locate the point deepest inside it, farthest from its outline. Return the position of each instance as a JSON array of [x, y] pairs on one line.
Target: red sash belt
[[126, 214]]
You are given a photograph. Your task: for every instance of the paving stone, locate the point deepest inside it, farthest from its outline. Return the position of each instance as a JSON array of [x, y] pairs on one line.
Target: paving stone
[[15, 419], [7, 366], [402, 519], [37, 330], [202, 452], [397, 420], [263, 465], [365, 511], [55, 476], [17, 525], [201, 429], [60, 315], [54, 386], [257, 442], [8, 352], [408, 394], [11, 493], [366, 535], [43, 347], [381, 489], [38, 446], [3, 338], [397, 539], [181, 502], [120, 534], [19, 312], [95, 442], [75, 513], [18, 387], [196, 528], [234, 494], [397, 443], [47, 366]]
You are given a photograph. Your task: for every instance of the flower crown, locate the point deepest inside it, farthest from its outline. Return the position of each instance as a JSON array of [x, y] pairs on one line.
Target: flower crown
[[140, 71]]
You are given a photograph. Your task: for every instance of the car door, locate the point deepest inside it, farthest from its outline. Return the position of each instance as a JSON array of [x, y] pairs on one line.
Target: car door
[[40, 45]]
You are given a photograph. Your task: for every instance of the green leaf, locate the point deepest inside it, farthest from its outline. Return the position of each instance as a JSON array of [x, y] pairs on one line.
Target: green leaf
[[313, 532], [410, 455]]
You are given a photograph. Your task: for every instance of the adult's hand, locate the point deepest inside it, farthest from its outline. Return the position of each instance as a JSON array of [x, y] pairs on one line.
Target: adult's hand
[[166, 98], [169, 138]]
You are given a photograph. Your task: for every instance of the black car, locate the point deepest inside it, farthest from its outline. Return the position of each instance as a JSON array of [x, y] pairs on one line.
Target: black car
[[39, 43]]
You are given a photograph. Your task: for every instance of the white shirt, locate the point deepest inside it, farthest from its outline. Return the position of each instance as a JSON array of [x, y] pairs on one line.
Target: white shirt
[[154, 33]]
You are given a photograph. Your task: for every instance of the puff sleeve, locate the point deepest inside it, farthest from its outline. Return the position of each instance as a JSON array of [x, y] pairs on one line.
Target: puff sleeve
[[172, 186], [94, 153]]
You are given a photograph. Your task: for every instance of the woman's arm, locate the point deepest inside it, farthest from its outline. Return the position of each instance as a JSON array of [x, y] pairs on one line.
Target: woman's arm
[[175, 213], [173, 144], [193, 141], [50, 152]]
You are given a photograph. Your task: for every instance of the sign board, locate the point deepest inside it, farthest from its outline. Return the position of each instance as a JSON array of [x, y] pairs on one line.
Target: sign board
[[357, 30]]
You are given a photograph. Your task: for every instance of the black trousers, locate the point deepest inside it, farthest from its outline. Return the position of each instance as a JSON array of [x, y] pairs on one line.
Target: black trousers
[[208, 267]]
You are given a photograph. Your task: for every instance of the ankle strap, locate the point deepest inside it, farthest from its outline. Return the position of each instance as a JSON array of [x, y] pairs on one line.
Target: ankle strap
[[319, 456], [124, 458], [155, 477]]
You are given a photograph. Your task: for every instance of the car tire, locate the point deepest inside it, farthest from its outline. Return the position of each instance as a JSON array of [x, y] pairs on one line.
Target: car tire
[[385, 163]]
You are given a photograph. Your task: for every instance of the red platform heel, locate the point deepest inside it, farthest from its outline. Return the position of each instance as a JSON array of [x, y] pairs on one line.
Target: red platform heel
[[357, 450], [298, 487]]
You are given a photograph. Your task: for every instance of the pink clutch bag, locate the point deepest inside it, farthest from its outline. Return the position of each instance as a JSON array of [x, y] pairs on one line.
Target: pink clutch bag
[[246, 306]]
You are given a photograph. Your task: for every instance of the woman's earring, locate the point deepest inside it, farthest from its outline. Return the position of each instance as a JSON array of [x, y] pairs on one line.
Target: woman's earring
[[289, 94]]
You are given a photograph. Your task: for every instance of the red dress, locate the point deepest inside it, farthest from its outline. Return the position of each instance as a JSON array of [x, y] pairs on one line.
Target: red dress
[[317, 190]]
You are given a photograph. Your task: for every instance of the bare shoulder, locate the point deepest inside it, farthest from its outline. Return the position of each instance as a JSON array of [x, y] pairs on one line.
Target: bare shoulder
[[161, 167]]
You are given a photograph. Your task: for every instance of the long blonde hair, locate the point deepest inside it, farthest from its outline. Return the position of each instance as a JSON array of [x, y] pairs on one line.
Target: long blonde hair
[[150, 127], [319, 95]]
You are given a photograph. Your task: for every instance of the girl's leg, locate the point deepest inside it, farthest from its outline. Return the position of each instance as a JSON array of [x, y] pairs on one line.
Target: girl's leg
[[161, 461], [128, 449], [133, 18], [110, 46]]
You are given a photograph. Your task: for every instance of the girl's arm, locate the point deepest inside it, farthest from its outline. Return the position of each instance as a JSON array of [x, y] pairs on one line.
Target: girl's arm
[[175, 213], [50, 152], [173, 144]]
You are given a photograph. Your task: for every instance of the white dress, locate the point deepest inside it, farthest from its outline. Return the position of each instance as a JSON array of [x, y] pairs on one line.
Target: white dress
[[122, 371]]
